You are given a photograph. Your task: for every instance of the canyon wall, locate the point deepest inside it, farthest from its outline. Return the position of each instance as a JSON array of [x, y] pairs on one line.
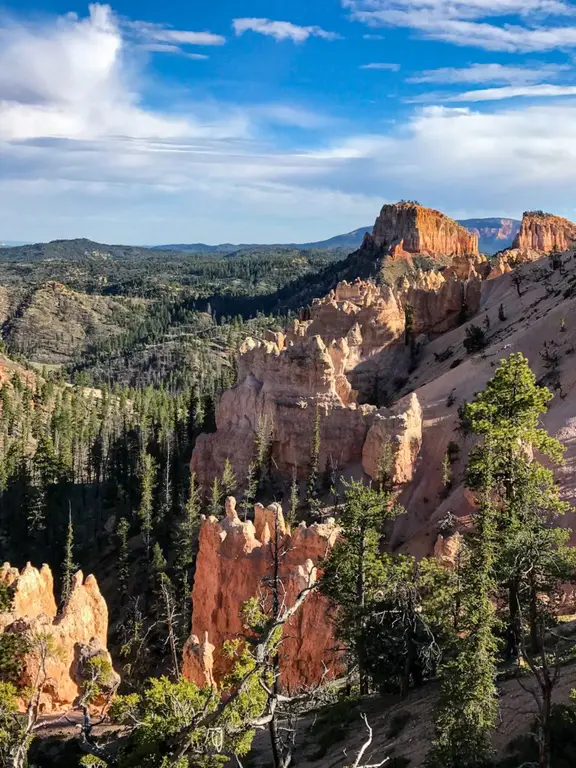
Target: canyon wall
[[345, 357], [234, 559], [78, 632]]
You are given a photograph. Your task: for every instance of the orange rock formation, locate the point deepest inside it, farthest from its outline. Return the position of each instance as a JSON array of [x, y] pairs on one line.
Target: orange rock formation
[[407, 228], [233, 560], [543, 232], [78, 631]]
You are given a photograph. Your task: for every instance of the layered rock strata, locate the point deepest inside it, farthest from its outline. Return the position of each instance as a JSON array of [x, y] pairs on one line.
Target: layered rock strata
[[406, 229], [234, 560], [78, 632], [543, 232]]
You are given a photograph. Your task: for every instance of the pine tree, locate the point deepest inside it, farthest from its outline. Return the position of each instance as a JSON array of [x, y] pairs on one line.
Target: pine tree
[[354, 570], [145, 510], [250, 490], [68, 566], [228, 479], [312, 500], [294, 498], [215, 502], [123, 566]]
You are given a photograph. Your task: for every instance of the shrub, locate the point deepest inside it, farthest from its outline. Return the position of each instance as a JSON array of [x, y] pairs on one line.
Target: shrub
[[475, 339]]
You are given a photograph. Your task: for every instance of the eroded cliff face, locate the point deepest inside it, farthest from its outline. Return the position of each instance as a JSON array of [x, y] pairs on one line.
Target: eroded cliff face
[[234, 558], [78, 632], [406, 228], [541, 233], [344, 357]]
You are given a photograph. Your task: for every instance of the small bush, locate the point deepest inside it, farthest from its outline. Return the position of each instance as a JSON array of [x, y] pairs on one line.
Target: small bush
[[475, 339]]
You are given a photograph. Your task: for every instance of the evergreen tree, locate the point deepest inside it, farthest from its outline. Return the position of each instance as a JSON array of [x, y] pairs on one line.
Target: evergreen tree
[[312, 499], [228, 479], [294, 498], [145, 510], [68, 566], [355, 571], [215, 502], [123, 566]]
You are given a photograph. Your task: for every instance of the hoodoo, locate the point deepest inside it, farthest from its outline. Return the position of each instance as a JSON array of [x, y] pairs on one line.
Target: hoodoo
[[78, 632]]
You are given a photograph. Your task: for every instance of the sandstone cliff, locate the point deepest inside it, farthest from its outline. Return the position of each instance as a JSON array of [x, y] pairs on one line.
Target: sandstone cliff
[[407, 228], [233, 560], [541, 233], [78, 631]]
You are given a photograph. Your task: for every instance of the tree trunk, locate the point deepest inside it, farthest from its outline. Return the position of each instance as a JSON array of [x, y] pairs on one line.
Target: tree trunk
[[361, 596], [514, 629], [544, 742]]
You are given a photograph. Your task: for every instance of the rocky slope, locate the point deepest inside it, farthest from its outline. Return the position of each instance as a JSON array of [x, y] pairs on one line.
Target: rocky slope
[[78, 631], [348, 355], [51, 323], [541, 233], [386, 367]]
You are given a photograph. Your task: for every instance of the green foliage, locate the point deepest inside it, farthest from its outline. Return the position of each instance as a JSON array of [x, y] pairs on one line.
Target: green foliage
[[312, 498], [355, 571]]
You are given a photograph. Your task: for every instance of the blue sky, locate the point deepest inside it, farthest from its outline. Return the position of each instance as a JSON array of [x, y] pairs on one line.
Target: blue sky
[[260, 121]]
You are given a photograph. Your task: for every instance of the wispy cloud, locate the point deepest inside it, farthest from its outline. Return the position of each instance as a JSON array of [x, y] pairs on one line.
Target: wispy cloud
[[512, 92], [163, 33], [490, 73], [390, 66], [281, 30], [174, 49], [472, 22]]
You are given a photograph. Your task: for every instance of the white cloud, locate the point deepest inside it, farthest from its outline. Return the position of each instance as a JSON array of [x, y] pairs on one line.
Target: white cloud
[[161, 33], [513, 91], [69, 80], [498, 74], [175, 49], [390, 66], [281, 30], [81, 154], [373, 37], [463, 22]]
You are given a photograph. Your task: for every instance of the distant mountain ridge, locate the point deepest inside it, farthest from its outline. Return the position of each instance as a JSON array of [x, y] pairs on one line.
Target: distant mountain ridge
[[494, 234], [349, 240]]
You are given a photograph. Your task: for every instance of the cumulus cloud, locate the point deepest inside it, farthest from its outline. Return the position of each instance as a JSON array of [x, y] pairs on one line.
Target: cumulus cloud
[[69, 80], [465, 22], [81, 154], [390, 66], [281, 30]]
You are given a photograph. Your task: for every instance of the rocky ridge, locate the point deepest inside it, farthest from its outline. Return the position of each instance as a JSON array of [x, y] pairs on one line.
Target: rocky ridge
[[339, 355], [77, 632]]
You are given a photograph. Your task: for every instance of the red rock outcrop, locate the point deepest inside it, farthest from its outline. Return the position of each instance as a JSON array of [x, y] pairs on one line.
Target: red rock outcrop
[[77, 632], [405, 229], [233, 560], [543, 232]]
